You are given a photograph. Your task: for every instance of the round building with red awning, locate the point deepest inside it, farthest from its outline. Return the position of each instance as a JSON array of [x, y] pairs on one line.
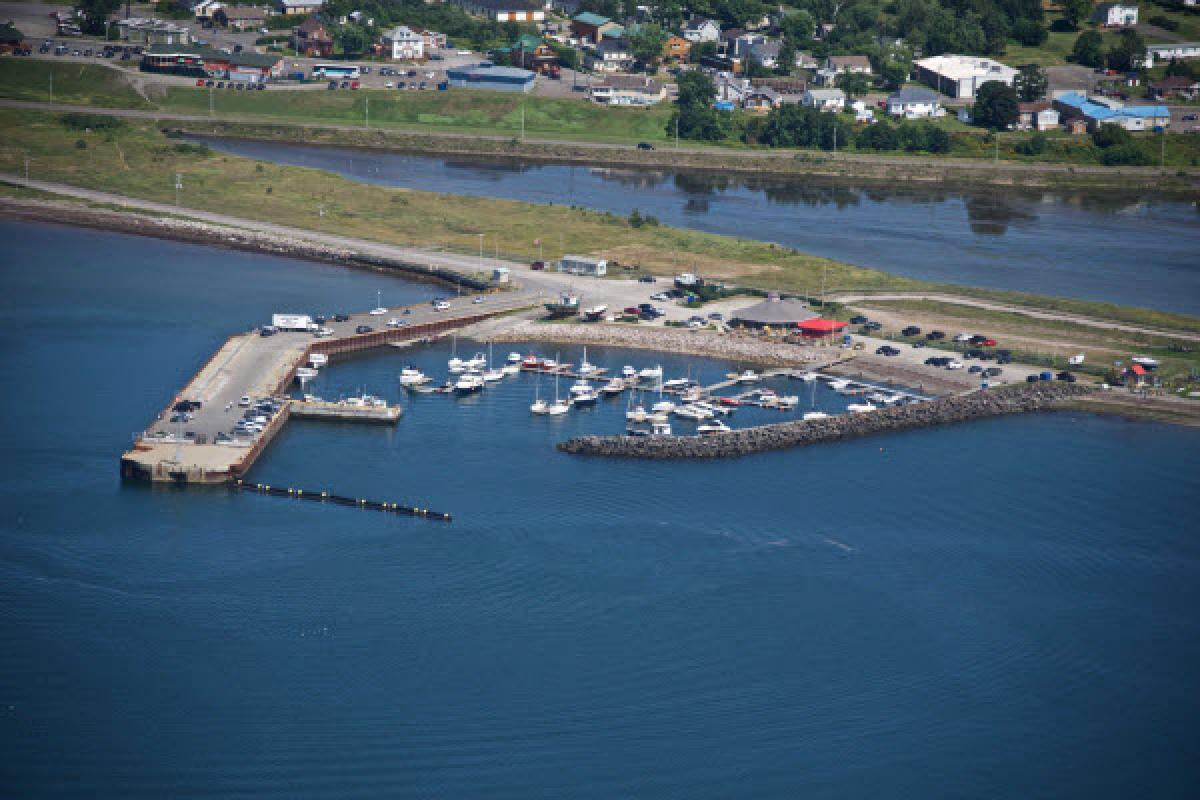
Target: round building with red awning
[[816, 328]]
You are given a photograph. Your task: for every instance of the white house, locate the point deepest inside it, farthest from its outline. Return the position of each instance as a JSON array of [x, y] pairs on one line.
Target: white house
[[582, 265], [701, 30], [824, 99], [1116, 15], [628, 90], [862, 112], [610, 55], [205, 9], [913, 102], [961, 76], [403, 43], [1165, 52]]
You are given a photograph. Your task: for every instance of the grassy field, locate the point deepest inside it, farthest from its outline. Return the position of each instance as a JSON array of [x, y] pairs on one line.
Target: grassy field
[[76, 83]]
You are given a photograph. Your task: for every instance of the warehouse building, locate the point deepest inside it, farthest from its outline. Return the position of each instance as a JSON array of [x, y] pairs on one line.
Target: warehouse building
[[961, 76], [489, 76]]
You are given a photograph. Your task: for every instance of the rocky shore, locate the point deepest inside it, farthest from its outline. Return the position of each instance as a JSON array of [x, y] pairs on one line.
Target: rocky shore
[[959, 408], [708, 344]]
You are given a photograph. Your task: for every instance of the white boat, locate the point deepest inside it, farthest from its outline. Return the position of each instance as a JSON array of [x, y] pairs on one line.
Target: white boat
[[635, 412], [650, 373], [660, 428], [477, 361], [748, 376], [692, 395], [628, 372], [514, 358], [815, 415], [860, 408], [809, 377], [677, 383], [585, 366], [317, 360], [580, 386], [663, 407], [614, 386], [378, 310], [712, 427], [587, 397], [1145, 361], [456, 365], [715, 409], [410, 376], [538, 406], [550, 363], [469, 383], [306, 373], [365, 401], [493, 375], [787, 401], [692, 412], [559, 406], [838, 384], [511, 369], [893, 399]]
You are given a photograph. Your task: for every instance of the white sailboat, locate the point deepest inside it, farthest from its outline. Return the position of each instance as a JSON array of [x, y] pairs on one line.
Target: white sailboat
[[585, 366], [492, 375], [815, 415], [560, 406], [635, 412], [456, 365], [378, 310], [662, 406], [538, 406], [748, 376]]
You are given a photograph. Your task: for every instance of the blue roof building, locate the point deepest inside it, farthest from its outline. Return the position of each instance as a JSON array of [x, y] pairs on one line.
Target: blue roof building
[[488, 76], [1103, 111]]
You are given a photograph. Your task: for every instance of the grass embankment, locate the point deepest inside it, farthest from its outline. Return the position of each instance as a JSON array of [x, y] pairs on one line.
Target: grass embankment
[[73, 82], [133, 158]]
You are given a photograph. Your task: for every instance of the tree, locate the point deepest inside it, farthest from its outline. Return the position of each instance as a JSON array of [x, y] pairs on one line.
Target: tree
[[881, 136], [1029, 33], [352, 39], [1030, 82], [797, 28], [700, 50], [1109, 135], [854, 84], [893, 75], [1129, 51], [696, 118], [995, 106], [647, 42], [696, 89], [1076, 12], [93, 14], [1088, 49]]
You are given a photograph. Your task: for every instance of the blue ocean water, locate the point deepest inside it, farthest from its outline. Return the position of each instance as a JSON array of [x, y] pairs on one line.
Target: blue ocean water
[[1005, 608]]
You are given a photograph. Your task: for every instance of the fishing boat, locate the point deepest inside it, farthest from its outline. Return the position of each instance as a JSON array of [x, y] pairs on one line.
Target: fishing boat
[[568, 303], [712, 427], [469, 383], [810, 415], [595, 313], [860, 408], [614, 386], [531, 362], [514, 358], [411, 376]]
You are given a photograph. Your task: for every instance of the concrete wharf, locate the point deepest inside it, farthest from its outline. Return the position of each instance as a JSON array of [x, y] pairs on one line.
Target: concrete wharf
[[249, 365], [343, 410]]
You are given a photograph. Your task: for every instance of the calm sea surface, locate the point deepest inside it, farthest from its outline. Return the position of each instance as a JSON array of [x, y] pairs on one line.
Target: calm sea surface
[[1118, 247], [999, 609]]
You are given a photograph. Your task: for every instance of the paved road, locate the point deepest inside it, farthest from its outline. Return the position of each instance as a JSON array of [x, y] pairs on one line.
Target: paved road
[[1057, 316]]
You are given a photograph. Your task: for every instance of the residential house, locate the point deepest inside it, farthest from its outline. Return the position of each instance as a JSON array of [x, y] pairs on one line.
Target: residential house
[[862, 112], [1176, 50], [1099, 111], [505, 10], [1076, 127], [205, 9], [628, 90], [404, 44], [727, 43], [677, 48], [298, 7], [731, 91], [590, 28], [961, 76], [610, 55], [312, 39], [531, 53], [1175, 86], [1115, 15], [1039, 116], [765, 53], [807, 61], [241, 18], [700, 29], [913, 102], [740, 44], [787, 87], [824, 99], [839, 64], [761, 99]]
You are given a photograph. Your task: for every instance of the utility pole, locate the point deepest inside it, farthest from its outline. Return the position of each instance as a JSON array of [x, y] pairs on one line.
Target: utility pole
[[51, 83], [1162, 151], [676, 130], [26, 166], [210, 101], [996, 139], [522, 122], [481, 252], [366, 112], [178, 187]]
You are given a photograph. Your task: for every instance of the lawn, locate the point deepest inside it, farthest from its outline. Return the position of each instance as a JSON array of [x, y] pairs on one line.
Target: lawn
[[1053, 51], [71, 82]]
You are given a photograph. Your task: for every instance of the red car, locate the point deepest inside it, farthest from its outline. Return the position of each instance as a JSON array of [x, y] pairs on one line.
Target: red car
[[989, 342], [354, 84], [199, 81], [633, 311]]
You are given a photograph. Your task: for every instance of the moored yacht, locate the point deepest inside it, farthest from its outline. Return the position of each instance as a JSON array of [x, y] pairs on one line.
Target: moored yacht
[[468, 383], [411, 376], [628, 372], [614, 386], [650, 373], [712, 427], [514, 358]]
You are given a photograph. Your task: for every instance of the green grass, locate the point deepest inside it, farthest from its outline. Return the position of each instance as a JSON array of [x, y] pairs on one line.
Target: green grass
[[1054, 51], [76, 83]]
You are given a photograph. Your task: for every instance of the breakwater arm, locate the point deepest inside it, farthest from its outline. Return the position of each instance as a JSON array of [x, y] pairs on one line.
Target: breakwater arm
[[744, 441]]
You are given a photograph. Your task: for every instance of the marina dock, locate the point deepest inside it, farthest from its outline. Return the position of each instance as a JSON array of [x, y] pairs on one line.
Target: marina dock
[[249, 367], [345, 410]]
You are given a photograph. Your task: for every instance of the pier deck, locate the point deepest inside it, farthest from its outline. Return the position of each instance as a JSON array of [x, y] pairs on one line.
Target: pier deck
[[258, 367]]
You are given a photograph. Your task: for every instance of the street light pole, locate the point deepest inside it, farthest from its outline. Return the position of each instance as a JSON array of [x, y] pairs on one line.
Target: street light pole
[[178, 186], [366, 112]]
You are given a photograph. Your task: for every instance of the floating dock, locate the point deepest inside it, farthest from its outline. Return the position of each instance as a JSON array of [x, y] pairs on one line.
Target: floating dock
[[248, 365]]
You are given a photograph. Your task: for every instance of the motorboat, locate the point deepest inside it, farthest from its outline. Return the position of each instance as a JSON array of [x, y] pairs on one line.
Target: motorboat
[[514, 358], [861, 408], [477, 361], [456, 366], [677, 384], [810, 415], [549, 363], [306, 373], [586, 397], [244, 401], [787, 402], [635, 412], [531, 362], [748, 376], [628, 372], [365, 401], [469, 383], [692, 395], [715, 409], [650, 373], [595, 313], [660, 428], [838, 384], [493, 375], [712, 427], [809, 377], [614, 386], [511, 369], [411, 376], [692, 412], [317, 360], [663, 407], [632, 431], [580, 386]]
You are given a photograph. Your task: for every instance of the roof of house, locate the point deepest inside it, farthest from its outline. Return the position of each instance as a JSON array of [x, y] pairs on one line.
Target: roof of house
[[301, 3], [507, 5], [243, 59], [826, 94], [914, 94], [956, 67], [765, 50], [698, 23], [631, 82], [310, 25], [1137, 369], [588, 18], [850, 61], [1103, 113], [764, 91], [775, 311], [400, 32], [243, 12]]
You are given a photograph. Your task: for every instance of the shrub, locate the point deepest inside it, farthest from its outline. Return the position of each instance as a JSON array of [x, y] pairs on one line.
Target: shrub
[[1033, 146], [80, 144], [94, 122], [190, 149], [1128, 154]]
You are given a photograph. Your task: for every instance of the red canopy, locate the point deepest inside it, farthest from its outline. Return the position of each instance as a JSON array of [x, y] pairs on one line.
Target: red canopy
[[1138, 369], [820, 327]]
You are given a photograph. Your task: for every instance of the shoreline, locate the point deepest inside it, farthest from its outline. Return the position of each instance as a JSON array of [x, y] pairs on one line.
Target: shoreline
[[949, 172]]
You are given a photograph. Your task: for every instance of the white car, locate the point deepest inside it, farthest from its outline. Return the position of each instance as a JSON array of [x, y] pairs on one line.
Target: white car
[[396, 322], [322, 332], [963, 337], [389, 85], [377, 312], [660, 296], [441, 305], [477, 300], [954, 365], [463, 52]]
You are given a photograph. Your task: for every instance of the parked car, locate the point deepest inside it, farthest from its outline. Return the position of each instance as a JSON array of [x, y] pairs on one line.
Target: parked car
[[717, 316], [911, 330], [363, 329], [441, 305], [886, 350], [647, 279], [873, 326], [538, 265], [1066, 376], [974, 369], [333, 84], [659, 296], [340, 318], [858, 320], [934, 336], [645, 146], [954, 364]]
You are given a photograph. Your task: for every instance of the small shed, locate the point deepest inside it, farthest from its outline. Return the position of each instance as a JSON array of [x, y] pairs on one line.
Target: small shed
[[582, 265]]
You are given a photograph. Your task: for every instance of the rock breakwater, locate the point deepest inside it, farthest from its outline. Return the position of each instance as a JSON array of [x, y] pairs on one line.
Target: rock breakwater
[[744, 441]]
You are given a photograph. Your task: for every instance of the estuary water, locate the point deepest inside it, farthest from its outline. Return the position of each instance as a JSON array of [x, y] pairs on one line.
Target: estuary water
[[1005, 608], [1118, 247]]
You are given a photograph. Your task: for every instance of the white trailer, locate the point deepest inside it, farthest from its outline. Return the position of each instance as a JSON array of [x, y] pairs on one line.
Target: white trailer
[[293, 322]]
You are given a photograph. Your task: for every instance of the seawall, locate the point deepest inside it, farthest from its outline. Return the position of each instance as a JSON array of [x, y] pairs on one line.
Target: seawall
[[959, 408]]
